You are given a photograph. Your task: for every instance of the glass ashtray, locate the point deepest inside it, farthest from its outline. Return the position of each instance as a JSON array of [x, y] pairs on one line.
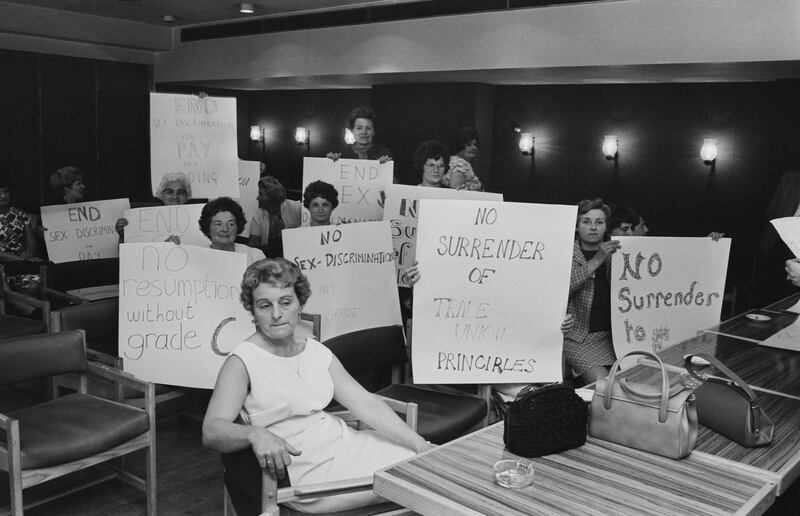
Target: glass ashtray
[[513, 473]]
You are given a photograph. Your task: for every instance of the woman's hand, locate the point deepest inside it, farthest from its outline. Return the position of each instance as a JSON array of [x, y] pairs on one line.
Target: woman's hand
[[175, 239], [411, 274], [792, 269], [567, 323], [381, 198], [715, 235], [383, 159], [333, 155], [120, 225], [606, 249], [273, 453]]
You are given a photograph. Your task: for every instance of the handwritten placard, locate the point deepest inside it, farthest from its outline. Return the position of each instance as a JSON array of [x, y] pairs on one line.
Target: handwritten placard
[[157, 223], [664, 290], [196, 136], [351, 270], [249, 172], [493, 291], [401, 210], [358, 182], [179, 312], [82, 231], [789, 230]]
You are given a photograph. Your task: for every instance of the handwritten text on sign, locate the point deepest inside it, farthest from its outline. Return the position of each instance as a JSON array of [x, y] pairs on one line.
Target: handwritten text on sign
[[663, 290], [493, 291], [179, 311], [82, 231], [401, 210], [351, 270], [157, 223], [358, 182], [248, 190], [196, 136]]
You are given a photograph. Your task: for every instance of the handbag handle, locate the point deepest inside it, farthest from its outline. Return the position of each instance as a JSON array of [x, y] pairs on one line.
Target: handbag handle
[[648, 396], [664, 395]]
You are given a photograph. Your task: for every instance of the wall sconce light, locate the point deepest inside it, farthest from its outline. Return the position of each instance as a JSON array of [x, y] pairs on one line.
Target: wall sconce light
[[257, 135], [610, 145], [526, 143], [709, 151], [349, 137], [246, 8], [302, 136]]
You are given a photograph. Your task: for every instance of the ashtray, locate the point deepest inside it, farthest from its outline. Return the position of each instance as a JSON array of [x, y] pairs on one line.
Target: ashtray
[[513, 473], [758, 317]]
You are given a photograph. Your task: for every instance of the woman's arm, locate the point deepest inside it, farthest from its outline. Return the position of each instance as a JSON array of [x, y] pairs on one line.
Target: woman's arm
[[222, 434], [370, 409], [31, 245], [582, 273], [457, 177]]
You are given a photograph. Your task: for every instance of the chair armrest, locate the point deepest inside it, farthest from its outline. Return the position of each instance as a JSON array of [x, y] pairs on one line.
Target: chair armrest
[[11, 295], [104, 358], [335, 487], [119, 376], [58, 295]]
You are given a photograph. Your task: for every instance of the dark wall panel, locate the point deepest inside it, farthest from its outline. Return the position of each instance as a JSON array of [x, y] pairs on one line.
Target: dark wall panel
[[69, 119]]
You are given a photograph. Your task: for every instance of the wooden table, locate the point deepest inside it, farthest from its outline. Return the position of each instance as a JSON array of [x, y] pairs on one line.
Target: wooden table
[[597, 478]]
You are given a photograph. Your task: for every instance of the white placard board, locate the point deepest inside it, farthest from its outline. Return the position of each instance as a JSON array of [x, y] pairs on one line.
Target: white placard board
[[249, 172], [179, 312], [351, 270], [664, 290], [401, 209], [358, 181], [82, 230], [493, 291], [196, 136], [789, 230], [157, 223]]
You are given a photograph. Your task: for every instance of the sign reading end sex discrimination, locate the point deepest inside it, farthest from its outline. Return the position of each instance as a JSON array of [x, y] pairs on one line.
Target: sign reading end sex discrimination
[[493, 291], [401, 210], [179, 312], [351, 271], [196, 136], [664, 289], [358, 183], [83, 230]]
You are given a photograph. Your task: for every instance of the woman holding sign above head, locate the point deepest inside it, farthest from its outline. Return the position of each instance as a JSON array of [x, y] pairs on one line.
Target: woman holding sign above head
[[320, 199], [588, 347], [278, 386], [362, 123], [221, 220]]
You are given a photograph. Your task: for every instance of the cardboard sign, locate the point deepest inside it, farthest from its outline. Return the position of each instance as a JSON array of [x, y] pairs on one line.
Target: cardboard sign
[[179, 312], [83, 230], [196, 136], [493, 291], [157, 223], [789, 230], [358, 182], [664, 290], [351, 270], [401, 210], [249, 172]]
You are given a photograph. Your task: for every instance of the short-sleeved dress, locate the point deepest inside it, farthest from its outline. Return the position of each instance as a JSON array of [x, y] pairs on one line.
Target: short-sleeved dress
[[459, 164], [287, 396]]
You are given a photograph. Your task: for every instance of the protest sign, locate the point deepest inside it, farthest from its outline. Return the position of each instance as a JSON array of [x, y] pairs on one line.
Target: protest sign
[[196, 136], [249, 172], [789, 230], [664, 290], [358, 182], [493, 291], [157, 223], [401, 209], [179, 312], [351, 270], [82, 230]]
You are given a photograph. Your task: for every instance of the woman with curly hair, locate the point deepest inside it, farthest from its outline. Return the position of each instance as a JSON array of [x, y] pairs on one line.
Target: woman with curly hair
[[460, 174], [66, 185], [275, 213], [221, 220], [320, 199], [279, 385]]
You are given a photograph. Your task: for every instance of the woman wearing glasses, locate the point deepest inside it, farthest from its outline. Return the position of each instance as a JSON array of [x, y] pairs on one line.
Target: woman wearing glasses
[[430, 161]]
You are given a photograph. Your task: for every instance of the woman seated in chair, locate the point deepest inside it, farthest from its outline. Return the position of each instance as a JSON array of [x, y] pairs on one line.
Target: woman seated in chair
[[278, 385]]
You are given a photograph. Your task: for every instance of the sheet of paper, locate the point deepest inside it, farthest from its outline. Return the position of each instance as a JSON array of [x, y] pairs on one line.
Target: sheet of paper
[[789, 230]]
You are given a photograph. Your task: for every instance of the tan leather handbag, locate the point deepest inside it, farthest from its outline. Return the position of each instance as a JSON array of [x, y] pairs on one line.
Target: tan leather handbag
[[657, 420]]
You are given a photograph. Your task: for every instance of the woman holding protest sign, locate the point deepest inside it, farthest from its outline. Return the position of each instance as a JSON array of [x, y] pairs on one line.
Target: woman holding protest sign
[[431, 159], [362, 123], [320, 199], [279, 385], [67, 186], [221, 220], [174, 189], [588, 348]]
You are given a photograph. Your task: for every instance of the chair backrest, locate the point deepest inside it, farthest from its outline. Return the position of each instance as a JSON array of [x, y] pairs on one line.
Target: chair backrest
[[39, 356], [369, 349], [99, 319], [81, 274]]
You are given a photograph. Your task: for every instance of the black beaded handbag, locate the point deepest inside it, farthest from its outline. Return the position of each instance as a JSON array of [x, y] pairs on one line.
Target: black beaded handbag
[[546, 420]]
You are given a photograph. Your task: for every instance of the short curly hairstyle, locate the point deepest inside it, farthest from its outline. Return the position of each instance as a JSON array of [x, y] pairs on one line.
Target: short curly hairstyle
[[431, 149], [621, 215], [174, 176], [320, 189], [278, 272], [362, 112], [219, 205], [64, 177], [464, 137]]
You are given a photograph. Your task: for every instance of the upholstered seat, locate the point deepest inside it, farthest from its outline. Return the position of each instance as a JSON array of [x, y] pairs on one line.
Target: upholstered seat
[[75, 426], [15, 326]]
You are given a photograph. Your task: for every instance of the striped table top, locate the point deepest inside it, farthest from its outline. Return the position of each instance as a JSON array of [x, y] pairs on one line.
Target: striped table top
[[597, 478]]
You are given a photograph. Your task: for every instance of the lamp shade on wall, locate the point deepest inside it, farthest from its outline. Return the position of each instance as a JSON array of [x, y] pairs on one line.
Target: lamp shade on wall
[[526, 143], [255, 133], [709, 150], [301, 135], [610, 143], [349, 137]]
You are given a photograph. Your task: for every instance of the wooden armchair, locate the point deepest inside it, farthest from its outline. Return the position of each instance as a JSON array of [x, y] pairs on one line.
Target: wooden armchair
[[15, 325], [70, 433], [273, 495]]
